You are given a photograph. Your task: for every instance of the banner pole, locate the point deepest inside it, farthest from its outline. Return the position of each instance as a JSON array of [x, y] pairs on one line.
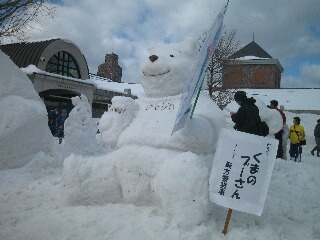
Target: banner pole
[[205, 74], [226, 224], [198, 93]]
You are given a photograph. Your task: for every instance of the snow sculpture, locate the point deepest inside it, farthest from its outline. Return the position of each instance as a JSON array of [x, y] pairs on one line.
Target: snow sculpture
[[148, 165], [271, 116], [23, 119], [79, 128]]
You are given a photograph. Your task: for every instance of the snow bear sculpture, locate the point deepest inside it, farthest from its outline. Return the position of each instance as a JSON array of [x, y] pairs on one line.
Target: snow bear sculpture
[[148, 165]]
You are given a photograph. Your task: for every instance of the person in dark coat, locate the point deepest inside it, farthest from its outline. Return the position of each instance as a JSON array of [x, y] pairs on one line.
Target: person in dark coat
[[52, 120], [317, 138], [247, 117], [60, 124], [278, 135]]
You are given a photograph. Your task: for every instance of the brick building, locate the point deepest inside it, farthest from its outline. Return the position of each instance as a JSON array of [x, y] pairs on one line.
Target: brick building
[[251, 67], [110, 69]]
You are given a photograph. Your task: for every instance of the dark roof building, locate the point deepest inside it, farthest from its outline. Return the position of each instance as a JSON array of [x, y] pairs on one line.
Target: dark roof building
[[62, 73], [61, 69], [252, 49], [251, 67], [53, 55]]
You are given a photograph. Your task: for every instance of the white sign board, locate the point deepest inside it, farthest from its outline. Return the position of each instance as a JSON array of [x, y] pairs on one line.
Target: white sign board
[[241, 171]]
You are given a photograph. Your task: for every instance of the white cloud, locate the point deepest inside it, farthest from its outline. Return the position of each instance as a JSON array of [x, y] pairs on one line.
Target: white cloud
[[309, 77], [311, 71], [129, 27]]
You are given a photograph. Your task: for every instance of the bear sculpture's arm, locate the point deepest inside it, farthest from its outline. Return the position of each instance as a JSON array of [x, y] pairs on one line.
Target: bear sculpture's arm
[[200, 134], [119, 116]]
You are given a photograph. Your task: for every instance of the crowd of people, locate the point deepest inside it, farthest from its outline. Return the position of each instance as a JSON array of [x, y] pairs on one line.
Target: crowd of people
[[56, 119], [247, 120]]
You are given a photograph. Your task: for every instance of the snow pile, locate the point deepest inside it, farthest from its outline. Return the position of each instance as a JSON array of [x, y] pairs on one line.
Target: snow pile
[[24, 130], [148, 166], [80, 129]]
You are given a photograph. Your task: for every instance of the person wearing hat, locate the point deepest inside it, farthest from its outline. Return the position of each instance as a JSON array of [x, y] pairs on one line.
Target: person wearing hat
[[296, 135], [317, 138], [278, 135], [247, 117]]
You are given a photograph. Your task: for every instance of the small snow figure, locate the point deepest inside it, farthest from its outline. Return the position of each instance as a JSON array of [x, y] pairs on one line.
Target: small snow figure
[[148, 165], [80, 129]]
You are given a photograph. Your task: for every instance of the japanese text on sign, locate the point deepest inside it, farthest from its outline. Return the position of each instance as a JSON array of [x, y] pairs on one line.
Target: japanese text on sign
[[241, 174]]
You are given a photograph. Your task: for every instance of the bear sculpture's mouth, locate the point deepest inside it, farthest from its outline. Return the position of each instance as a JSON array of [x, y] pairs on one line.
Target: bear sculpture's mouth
[[155, 75]]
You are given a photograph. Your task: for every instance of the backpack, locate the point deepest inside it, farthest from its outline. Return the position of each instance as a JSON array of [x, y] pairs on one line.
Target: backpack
[[263, 128]]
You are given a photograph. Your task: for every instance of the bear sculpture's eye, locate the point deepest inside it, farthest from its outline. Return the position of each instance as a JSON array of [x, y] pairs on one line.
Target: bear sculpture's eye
[[171, 56]]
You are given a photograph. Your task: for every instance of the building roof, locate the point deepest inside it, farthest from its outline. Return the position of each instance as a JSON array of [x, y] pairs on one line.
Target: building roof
[[252, 49], [39, 52], [24, 54]]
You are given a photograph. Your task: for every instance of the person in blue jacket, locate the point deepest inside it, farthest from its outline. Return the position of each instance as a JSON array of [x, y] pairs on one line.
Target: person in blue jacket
[[52, 120], [60, 123]]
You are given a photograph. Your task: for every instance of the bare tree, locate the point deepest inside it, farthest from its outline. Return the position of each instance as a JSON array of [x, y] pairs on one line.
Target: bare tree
[[17, 15], [226, 46]]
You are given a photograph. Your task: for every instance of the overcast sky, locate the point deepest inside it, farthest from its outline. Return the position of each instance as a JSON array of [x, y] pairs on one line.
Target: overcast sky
[[289, 30]]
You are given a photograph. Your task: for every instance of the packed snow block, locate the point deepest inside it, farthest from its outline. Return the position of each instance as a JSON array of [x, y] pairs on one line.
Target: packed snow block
[[23, 118], [89, 181], [80, 129], [181, 185], [150, 165]]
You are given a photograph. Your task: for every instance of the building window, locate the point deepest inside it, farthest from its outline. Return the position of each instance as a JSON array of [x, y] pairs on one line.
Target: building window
[[63, 64], [235, 77], [260, 76]]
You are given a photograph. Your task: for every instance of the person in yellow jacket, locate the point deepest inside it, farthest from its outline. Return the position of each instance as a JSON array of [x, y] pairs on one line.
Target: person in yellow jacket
[[296, 136]]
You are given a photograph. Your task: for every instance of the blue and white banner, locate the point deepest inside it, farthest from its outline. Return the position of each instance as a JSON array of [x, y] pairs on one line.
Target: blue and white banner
[[198, 71], [242, 170]]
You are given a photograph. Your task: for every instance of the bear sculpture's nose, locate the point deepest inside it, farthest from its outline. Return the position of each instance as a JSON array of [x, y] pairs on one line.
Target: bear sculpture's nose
[[153, 58]]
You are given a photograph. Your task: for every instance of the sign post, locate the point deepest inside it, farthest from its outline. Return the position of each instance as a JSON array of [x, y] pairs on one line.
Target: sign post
[[226, 224]]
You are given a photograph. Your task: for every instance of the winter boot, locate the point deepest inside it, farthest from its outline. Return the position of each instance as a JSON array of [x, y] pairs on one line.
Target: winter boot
[[318, 153], [313, 150]]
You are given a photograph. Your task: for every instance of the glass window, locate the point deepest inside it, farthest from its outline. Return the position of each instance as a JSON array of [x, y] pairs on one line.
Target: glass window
[[63, 64]]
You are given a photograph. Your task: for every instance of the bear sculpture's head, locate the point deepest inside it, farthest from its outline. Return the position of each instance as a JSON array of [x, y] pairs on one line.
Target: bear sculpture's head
[[167, 68]]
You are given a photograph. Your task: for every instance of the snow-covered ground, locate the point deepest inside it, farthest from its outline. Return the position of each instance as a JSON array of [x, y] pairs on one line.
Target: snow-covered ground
[[32, 206]]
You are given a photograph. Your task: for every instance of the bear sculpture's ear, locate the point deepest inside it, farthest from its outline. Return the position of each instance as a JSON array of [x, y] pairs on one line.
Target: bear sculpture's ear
[[75, 100], [190, 46], [83, 98]]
